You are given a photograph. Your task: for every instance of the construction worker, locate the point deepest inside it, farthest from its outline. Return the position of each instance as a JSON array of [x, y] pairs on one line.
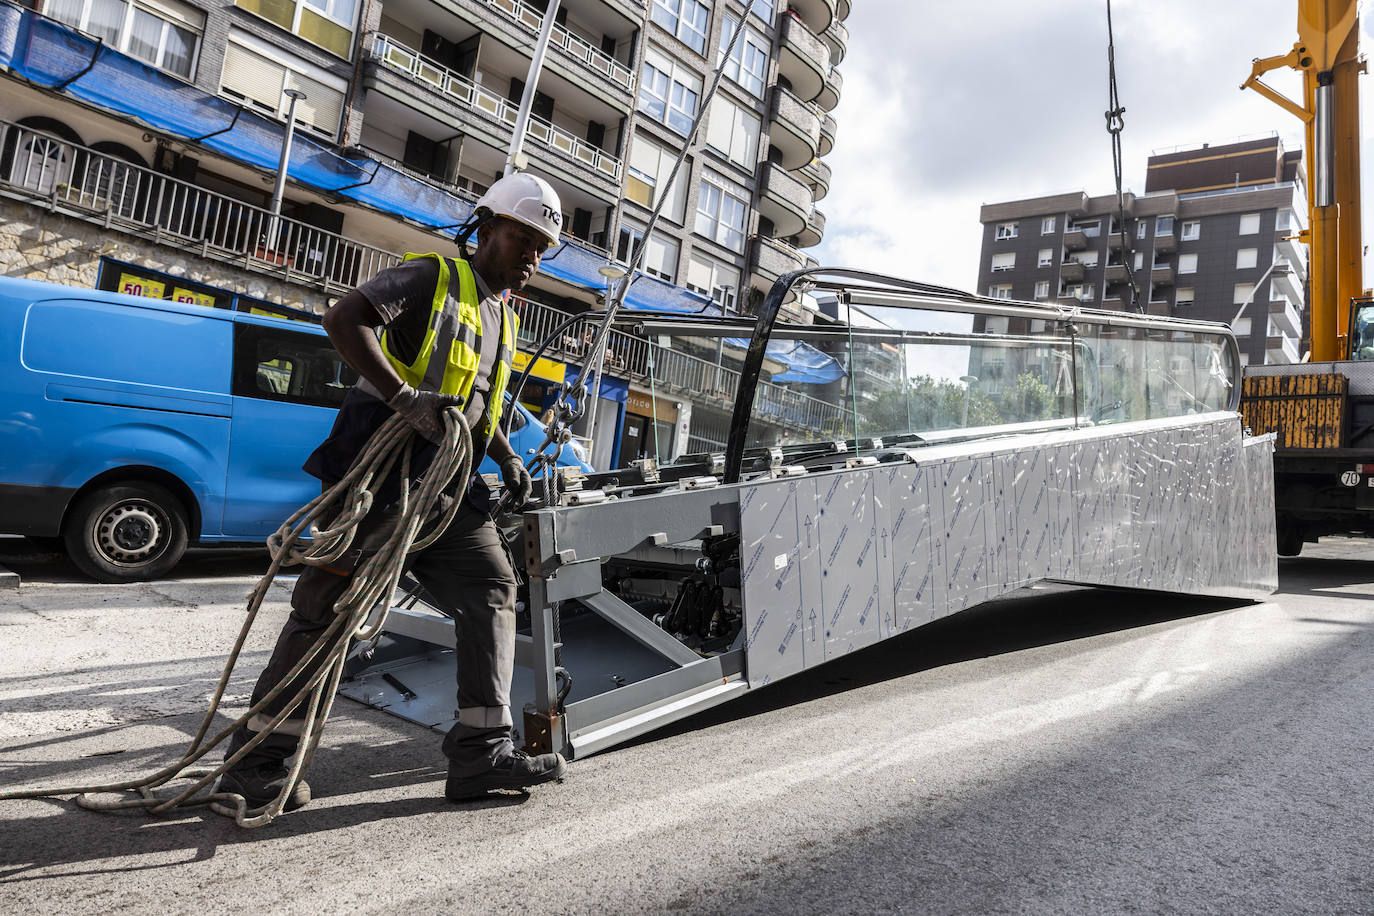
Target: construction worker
[[447, 339]]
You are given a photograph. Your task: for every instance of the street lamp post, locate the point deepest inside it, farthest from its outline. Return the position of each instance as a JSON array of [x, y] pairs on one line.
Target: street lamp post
[[969, 381], [295, 95]]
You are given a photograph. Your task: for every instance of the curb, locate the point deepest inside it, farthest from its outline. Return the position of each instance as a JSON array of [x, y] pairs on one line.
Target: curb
[[8, 579]]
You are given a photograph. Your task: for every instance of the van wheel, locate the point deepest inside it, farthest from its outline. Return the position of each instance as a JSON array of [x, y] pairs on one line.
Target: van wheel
[[126, 533]]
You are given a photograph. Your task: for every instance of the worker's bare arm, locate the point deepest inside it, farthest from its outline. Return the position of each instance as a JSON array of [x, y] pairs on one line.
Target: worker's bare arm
[[351, 325]]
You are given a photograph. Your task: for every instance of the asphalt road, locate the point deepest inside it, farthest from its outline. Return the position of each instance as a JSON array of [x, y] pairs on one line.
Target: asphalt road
[[1067, 751]]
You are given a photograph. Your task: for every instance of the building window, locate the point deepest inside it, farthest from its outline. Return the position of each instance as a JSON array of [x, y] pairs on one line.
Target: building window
[[1140, 260], [1283, 220], [1249, 223], [660, 257], [1000, 291], [1241, 327], [1187, 263], [1183, 296], [1192, 230], [327, 23], [668, 92], [259, 73], [1006, 230], [1046, 258], [1047, 225], [164, 33], [1140, 228], [685, 19], [721, 212], [1164, 225], [713, 278], [647, 177], [763, 9], [1042, 289], [748, 65], [1247, 258], [733, 132], [1242, 293], [1003, 261]]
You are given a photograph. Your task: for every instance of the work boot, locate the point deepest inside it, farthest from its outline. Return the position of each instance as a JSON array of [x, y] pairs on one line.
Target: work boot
[[514, 770], [260, 784]]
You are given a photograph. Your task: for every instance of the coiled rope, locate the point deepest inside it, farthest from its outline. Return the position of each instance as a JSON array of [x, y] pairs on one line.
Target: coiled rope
[[344, 506]]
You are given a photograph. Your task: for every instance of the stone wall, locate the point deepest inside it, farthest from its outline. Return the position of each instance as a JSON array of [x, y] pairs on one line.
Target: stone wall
[[37, 244]]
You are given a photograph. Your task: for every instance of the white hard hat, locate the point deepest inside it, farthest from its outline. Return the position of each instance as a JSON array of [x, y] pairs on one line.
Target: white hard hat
[[526, 199]]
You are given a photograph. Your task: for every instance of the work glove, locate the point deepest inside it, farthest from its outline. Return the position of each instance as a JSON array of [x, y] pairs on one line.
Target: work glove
[[516, 477], [424, 410]]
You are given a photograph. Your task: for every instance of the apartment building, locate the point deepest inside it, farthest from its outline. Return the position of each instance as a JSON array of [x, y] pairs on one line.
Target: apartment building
[[1215, 230], [141, 140]]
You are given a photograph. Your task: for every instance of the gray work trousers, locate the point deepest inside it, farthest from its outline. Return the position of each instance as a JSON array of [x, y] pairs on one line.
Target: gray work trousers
[[468, 576]]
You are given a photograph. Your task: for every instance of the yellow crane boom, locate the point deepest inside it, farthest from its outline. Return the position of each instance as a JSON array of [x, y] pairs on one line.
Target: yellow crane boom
[[1327, 55]]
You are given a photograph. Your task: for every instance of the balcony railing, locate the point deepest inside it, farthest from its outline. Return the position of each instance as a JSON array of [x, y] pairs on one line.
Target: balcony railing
[[560, 37], [642, 360], [119, 195], [465, 92]]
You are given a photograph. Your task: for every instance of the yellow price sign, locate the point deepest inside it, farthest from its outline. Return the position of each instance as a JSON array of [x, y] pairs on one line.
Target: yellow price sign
[[189, 296], [135, 285]]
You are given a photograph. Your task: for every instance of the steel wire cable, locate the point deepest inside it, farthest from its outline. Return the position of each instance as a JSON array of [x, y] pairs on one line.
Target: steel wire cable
[[360, 613]]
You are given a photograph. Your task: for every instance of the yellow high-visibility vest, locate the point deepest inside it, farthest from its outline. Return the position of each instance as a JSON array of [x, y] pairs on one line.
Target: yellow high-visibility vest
[[448, 356]]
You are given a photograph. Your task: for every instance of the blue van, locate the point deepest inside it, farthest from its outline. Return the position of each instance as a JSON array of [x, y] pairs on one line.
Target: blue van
[[131, 427]]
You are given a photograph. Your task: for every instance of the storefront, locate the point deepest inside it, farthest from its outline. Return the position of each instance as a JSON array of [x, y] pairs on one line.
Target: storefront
[[648, 429]]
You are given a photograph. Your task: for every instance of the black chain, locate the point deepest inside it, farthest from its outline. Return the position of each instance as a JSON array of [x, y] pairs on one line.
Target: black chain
[[1116, 120]]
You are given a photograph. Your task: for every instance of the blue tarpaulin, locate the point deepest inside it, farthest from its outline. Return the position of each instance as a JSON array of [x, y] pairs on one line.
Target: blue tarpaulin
[[804, 362]]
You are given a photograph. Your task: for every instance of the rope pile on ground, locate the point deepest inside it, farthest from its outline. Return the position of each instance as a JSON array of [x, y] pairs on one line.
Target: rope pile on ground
[[340, 508]]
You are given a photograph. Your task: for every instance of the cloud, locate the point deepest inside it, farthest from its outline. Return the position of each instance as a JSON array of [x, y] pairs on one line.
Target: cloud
[[949, 106]]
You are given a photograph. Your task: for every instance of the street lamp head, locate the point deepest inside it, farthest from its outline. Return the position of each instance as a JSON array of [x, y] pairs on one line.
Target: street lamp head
[[968, 379], [612, 271], [293, 94]]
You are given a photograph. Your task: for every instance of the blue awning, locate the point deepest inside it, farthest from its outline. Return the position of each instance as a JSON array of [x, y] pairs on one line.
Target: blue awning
[[804, 362]]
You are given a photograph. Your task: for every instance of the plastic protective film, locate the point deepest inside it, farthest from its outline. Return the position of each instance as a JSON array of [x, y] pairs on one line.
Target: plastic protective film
[[840, 560]]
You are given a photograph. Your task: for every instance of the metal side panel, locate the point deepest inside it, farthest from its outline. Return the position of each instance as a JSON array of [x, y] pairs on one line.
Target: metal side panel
[[1181, 505], [849, 550]]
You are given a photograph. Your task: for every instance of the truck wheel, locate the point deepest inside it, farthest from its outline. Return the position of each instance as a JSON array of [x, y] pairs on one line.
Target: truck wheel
[[1290, 539], [130, 532]]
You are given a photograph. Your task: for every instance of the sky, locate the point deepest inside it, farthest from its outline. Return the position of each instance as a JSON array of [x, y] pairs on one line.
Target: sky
[[947, 106]]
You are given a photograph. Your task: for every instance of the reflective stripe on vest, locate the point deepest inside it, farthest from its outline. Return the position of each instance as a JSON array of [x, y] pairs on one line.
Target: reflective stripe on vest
[[449, 354]]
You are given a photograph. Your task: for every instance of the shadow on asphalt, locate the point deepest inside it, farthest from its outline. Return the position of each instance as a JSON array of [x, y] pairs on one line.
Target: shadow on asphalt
[[1324, 575], [1057, 614], [35, 563]]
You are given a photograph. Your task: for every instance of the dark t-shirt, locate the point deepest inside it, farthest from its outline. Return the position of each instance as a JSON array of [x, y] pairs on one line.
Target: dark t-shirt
[[403, 297]]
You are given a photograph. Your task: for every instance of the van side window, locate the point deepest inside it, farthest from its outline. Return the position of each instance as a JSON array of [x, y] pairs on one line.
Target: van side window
[[279, 365]]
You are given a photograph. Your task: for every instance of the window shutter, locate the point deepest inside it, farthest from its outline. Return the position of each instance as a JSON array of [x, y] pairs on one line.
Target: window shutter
[[252, 75]]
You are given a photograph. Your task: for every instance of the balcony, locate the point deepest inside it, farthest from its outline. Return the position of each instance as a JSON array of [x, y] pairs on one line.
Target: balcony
[[770, 259], [828, 128], [836, 38], [804, 59], [1283, 314], [405, 75], [1158, 307], [814, 231], [1071, 271], [831, 90], [1164, 244], [1292, 250], [1162, 274], [1076, 238], [562, 41], [796, 129], [817, 14], [785, 201], [126, 198], [1287, 282], [1281, 350], [816, 174], [1115, 273], [842, 9]]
